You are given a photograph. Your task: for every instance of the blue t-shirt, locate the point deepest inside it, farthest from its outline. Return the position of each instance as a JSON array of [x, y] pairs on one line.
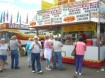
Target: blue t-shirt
[[27, 48]]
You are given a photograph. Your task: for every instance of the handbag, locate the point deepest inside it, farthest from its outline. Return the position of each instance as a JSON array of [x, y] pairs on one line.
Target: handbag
[[74, 51]]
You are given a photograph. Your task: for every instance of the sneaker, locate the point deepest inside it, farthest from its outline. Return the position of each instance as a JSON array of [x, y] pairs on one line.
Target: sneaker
[[80, 74], [102, 69], [76, 72], [40, 72], [33, 71], [17, 67], [1, 70], [48, 69]]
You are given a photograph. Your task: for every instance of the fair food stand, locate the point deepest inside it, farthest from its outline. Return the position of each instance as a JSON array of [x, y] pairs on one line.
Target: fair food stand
[[73, 18]]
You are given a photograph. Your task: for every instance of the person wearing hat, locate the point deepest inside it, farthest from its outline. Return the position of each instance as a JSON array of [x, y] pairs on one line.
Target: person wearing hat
[[3, 53], [35, 48], [14, 45], [57, 53]]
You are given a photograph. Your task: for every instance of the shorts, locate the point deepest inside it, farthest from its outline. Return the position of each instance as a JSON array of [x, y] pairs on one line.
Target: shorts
[[3, 57]]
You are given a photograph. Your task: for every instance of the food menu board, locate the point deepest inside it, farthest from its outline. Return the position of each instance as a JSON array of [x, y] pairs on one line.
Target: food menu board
[[102, 11], [71, 13], [94, 10], [56, 15], [39, 20], [75, 13], [43, 17], [46, 16]]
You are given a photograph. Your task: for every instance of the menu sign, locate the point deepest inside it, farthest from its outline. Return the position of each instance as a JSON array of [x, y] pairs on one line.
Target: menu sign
[[46, 17], [102, 11], [61, 2], [70, 13], [94, 9], [56, 15], [76, 13], [39, 20]]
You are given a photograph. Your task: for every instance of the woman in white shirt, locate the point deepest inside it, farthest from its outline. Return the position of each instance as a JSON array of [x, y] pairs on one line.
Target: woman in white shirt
[[3, 53]]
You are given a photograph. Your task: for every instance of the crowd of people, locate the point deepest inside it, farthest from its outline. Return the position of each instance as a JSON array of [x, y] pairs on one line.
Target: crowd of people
[[51, 50]]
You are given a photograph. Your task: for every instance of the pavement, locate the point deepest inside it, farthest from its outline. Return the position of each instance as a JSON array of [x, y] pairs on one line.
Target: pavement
[[26, 72]]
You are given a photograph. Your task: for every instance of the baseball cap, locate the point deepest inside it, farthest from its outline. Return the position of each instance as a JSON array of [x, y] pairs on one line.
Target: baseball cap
[[36, 37]]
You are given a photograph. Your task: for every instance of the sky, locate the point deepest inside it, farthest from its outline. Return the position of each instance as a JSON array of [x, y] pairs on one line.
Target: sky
[[24, 7]]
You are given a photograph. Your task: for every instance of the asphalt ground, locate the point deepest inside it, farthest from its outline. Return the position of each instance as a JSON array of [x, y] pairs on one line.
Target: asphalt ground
[[69, 72]]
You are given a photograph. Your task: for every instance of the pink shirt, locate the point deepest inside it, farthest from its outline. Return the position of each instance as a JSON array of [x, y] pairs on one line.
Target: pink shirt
[[46, 44], [80, 48]]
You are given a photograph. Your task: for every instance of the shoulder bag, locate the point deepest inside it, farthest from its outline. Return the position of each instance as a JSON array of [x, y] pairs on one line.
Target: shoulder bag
[[74, 51]]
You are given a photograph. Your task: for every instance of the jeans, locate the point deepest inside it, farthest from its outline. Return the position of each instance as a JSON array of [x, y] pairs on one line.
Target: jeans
[[14, 58], [78, 63], [57, 58], [36, 57], [47, 62]]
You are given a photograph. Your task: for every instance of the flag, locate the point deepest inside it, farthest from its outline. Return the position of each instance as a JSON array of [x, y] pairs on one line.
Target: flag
[[18, 17], [4, 17], [11, 19], [7, 16], [1, 18], [27, 19]]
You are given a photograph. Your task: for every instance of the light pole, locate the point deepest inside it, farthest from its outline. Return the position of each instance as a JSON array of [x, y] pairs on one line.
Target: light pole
[[98, 30]]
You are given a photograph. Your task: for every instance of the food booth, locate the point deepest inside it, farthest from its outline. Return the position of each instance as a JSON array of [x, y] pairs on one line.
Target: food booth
[[70, 20]]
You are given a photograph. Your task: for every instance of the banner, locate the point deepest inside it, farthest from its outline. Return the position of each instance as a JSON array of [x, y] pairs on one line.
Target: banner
[[79, 27], [19, 26]]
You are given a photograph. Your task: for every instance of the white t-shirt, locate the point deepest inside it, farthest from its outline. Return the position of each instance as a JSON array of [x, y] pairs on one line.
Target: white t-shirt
[[57, 46], [3, 49], [36, 48], [51, 40]]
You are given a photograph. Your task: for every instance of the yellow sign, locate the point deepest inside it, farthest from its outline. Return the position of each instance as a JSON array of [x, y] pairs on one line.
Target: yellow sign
[[79, 27], [2, 26], [46, 5], [61, 2]]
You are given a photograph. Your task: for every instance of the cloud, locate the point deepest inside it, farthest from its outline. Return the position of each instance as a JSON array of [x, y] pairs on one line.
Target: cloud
[[14, 10], [36, 1], [30, 7], [31, 1], [7, 0]]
